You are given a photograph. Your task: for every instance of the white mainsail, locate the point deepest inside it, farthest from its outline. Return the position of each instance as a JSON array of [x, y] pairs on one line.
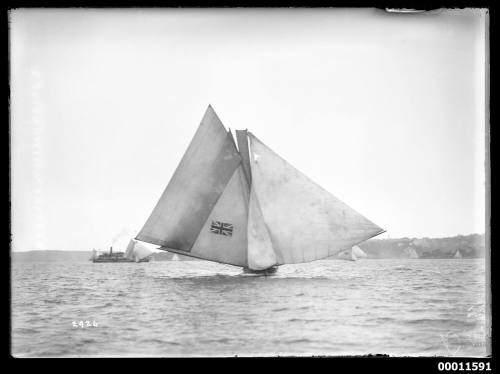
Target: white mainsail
[[304, 221], [248, 207]]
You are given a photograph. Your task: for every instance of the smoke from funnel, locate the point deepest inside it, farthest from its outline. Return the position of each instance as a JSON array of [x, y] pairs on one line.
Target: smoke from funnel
[[125, 234]]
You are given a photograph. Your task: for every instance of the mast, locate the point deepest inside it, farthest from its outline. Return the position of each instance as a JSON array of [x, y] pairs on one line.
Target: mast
[[242, 139]]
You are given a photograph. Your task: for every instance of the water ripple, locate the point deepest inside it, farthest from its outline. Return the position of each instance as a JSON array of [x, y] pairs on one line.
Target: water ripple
[[399, 307]]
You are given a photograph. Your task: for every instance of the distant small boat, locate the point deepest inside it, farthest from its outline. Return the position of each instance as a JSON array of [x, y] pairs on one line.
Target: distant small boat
[[411, 252], [353, 254], [175, 257], [110, 256], [358, 252], [458, 254]]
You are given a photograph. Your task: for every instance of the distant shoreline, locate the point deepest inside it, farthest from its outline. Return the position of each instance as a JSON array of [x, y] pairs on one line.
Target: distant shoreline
[[467, 246]]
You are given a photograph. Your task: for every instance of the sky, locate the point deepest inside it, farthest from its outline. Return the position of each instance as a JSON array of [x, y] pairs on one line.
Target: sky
[[385, 111]]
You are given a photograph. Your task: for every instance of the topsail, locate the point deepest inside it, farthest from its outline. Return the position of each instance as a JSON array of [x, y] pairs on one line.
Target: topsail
[[244, 205]]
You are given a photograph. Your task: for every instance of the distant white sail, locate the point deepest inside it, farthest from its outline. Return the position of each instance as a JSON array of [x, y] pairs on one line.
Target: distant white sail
[[141, 251], [305, 222], [129, 252], [137, 251], [411, 252], [358, 252], [175, 257], [458, 254]]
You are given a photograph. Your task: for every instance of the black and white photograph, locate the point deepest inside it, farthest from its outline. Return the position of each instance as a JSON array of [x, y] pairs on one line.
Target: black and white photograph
[[249, 182]]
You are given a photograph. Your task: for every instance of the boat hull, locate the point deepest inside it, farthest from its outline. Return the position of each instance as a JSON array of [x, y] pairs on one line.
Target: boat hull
[[268, 271], [95, 260]]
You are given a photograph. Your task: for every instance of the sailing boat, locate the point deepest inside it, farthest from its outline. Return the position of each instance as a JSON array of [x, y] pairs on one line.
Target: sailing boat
[[412, 253], [244, 205], [458, 254], [358, 252], [353, 254]]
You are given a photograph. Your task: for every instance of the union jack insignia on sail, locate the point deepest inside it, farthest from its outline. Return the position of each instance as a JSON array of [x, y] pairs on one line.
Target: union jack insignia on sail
[[221, 228]]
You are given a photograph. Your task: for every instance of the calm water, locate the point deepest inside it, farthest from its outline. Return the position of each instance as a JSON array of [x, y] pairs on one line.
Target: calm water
[[398, 307]]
